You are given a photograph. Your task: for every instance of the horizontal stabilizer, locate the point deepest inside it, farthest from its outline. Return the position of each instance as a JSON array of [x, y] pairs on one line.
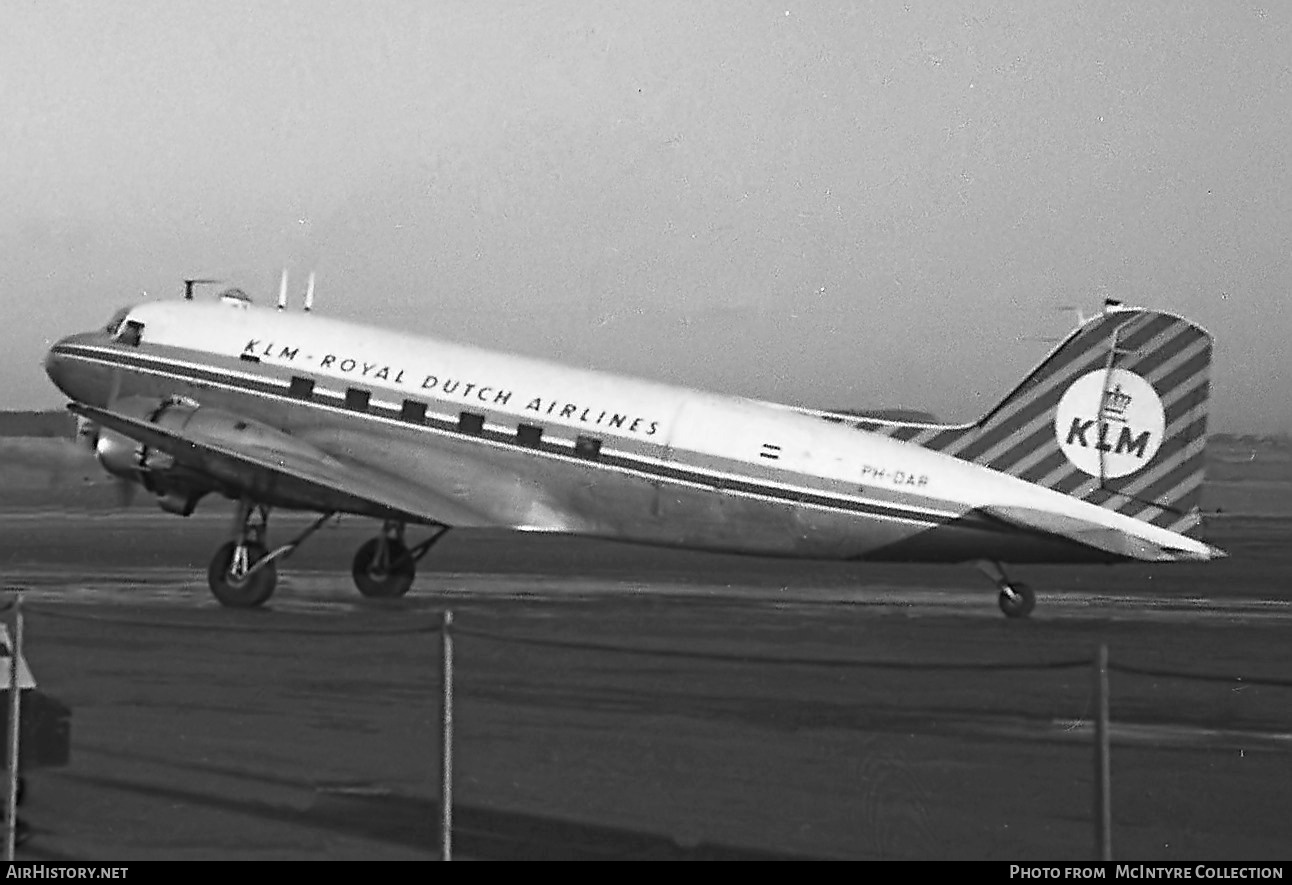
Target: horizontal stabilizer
[[1100, 537]]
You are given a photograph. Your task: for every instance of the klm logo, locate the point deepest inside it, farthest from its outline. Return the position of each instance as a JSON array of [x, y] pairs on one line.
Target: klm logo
[[1080, 433], [1110, 423], [1112, 420]]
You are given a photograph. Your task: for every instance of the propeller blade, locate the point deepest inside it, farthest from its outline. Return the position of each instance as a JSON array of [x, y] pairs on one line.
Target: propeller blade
[[87, 434], [126, 491]]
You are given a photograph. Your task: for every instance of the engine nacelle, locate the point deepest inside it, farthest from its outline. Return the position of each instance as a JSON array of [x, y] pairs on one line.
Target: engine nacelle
[[129, 459], [118, 454], [178, 486]]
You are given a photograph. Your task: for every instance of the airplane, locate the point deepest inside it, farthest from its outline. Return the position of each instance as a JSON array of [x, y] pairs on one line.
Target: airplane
[[1095, 457]]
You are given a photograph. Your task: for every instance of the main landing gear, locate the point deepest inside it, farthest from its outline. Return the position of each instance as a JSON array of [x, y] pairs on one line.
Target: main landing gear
[[384, 567], [1016, 599], [243, 573]]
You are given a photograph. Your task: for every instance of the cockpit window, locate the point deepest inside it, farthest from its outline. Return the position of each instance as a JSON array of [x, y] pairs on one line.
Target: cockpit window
[[114, 324], [131, 333], [124, 330]]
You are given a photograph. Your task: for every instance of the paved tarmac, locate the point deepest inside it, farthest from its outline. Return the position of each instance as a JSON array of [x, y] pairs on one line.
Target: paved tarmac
[[620, 702]]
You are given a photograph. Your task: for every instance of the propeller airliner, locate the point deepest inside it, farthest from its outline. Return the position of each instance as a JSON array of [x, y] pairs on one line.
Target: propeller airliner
[[1095, 457]]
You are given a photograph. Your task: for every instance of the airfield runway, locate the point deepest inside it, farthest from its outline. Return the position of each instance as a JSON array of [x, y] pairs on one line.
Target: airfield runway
[[621, 702]]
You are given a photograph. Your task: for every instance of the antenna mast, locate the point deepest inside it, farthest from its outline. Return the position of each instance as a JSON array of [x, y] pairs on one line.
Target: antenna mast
[[309, 293], [189, 284], [282, 290]]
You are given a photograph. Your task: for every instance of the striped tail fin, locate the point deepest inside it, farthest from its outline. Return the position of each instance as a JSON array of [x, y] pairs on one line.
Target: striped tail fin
[[1115, 415]]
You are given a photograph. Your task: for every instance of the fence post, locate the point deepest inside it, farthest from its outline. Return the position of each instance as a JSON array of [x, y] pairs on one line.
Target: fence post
[[446, 738], [1103, 762], [15, 709]]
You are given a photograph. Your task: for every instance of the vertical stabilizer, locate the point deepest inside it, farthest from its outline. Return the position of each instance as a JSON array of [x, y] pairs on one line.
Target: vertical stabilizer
[[1115, 415]]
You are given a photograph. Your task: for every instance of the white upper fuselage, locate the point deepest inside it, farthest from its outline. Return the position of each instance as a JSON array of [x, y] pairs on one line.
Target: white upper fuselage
[[676, 438]]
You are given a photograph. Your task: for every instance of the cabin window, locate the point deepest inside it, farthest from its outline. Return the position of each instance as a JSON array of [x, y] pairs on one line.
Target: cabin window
[[131, 333], [413, 412], [470, 422], [587, 447], [529, 435], [301, 388], [356, 399]]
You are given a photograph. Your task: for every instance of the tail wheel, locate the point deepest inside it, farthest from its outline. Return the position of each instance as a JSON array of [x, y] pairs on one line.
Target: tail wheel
[[383, 580], [1017, 600], [241, 591]]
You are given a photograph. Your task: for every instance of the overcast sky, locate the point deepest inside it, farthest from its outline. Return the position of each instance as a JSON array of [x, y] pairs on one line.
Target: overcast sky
[[830, 203]]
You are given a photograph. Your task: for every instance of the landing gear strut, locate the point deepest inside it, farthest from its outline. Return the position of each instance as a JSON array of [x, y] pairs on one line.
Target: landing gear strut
[[243, 573], [1016, 599], [384, 567], [238, 575]]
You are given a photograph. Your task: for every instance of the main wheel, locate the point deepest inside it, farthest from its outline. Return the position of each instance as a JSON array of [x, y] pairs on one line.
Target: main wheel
[[1017, 600], [383, 580], [245, 592]]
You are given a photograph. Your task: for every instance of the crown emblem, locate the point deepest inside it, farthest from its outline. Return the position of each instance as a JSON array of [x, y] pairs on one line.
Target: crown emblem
[[1116, 402]]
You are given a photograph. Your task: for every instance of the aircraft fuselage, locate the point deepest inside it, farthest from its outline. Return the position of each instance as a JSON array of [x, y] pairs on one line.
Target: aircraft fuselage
[[541, 447]]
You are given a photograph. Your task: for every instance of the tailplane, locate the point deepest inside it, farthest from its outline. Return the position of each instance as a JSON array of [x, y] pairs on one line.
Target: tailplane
[[1115, 415]]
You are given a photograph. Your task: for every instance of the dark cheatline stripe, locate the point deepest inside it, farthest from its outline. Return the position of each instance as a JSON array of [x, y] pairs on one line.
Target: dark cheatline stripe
[[259, 385], [906, 433], [821, 498]]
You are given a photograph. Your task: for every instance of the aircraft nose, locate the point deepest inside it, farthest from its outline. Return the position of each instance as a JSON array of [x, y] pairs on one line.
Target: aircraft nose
[[58, 361], [54, 363]]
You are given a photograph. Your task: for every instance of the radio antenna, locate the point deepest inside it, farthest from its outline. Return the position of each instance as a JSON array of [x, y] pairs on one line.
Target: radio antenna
[[282, 290], [309, 293], [189, 284]]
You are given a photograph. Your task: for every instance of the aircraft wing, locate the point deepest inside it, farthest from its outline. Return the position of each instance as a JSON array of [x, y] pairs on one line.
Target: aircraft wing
[[267, 464], [1105, 538]]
